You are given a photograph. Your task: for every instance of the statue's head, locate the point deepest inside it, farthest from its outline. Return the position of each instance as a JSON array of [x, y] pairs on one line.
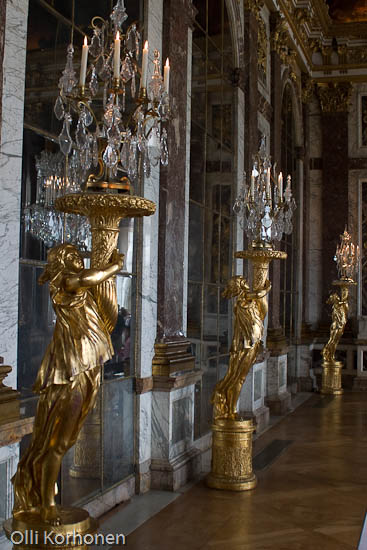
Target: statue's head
[[61, 257], [235, 286]]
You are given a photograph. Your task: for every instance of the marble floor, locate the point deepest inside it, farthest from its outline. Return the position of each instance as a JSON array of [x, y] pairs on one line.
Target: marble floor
[[311, 493]]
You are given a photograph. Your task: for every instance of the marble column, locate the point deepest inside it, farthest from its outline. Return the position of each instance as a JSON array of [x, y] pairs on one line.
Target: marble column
[[174, 459], [251, 133], [278, 399]]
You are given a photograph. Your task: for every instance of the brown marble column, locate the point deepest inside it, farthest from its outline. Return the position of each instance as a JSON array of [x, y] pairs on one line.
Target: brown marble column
[[172, 348], [251, 134], [275, 341], [334, 100]]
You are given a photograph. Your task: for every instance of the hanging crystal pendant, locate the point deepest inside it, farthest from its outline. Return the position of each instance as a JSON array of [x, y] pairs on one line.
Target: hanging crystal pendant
[[81, 134], [164, 148], [95, 151], [68, 79], [65, 140], [93, 84], [119, 15], [95, 48], [59, 108]]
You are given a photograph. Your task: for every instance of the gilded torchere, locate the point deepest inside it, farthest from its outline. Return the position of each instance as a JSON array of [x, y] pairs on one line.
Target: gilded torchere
[[267, 214], [347, 258], [68, 380]]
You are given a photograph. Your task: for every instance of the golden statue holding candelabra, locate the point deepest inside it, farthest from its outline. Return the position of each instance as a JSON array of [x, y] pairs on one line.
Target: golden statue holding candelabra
[[266, 214], [249, 312], [347, 258]]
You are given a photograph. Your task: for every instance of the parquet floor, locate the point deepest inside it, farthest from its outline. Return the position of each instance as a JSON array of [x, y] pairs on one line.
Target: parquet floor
[[312, 496]]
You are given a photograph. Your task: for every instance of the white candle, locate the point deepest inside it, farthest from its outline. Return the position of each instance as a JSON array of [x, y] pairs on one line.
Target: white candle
[[268, 182], [83, 65], [280, 185], [144, 66], [166, 76], [116, 56]]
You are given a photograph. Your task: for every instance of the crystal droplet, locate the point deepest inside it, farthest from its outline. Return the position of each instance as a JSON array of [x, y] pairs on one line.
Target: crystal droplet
[[65, 140], [81, 135], [93, 84], [102, 68], [133, 86], [125, 154], [132, 170], [164, 148], [110, 156], [95, 47], [126, 69], [146, 165], [114, 135], [119, 15], [95, 151], [87, 117], [59, 109]]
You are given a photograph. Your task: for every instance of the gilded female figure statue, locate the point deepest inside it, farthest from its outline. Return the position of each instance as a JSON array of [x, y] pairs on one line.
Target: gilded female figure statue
[[68, 379], [250, 311], [339, 317]]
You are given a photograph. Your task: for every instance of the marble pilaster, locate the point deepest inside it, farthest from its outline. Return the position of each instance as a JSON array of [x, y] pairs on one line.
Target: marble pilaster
[[147, 285], [334, 182], [11, 168]]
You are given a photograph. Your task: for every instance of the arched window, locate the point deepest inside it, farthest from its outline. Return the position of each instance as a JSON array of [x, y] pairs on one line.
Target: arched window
[[211, 198]]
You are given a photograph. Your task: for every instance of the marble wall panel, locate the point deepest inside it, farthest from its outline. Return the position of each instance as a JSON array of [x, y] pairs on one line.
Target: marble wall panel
[[9, 456], [166, 425], [276, 375], [144, 427], [10, 176], [252, 395], [161, 424]]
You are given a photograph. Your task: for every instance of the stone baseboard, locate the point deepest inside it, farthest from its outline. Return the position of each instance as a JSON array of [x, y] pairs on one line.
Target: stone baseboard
[[280, 404], [359, 384], [143, 477], [170, 475]]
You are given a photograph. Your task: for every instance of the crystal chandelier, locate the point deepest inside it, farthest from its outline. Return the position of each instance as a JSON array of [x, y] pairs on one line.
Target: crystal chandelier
[[113, 143], [41, 219], [347, 257], [266, 211]]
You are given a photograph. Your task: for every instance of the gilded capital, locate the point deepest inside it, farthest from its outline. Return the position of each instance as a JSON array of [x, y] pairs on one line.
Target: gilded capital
[[334, 97], [308, 87], [253, 5]]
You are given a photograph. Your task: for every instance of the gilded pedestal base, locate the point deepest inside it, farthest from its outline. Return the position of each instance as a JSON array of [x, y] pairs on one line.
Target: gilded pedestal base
[[232, 456], [332, 378], [27, 531]]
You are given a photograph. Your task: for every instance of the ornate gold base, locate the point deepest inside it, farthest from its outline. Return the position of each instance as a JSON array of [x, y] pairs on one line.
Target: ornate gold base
[[27, 531], [332, 378], [232, 456]]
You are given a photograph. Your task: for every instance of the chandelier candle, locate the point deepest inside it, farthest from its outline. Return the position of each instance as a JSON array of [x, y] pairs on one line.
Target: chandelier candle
[[166, 76], [116, 57], [144, 66], [83, 64]]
